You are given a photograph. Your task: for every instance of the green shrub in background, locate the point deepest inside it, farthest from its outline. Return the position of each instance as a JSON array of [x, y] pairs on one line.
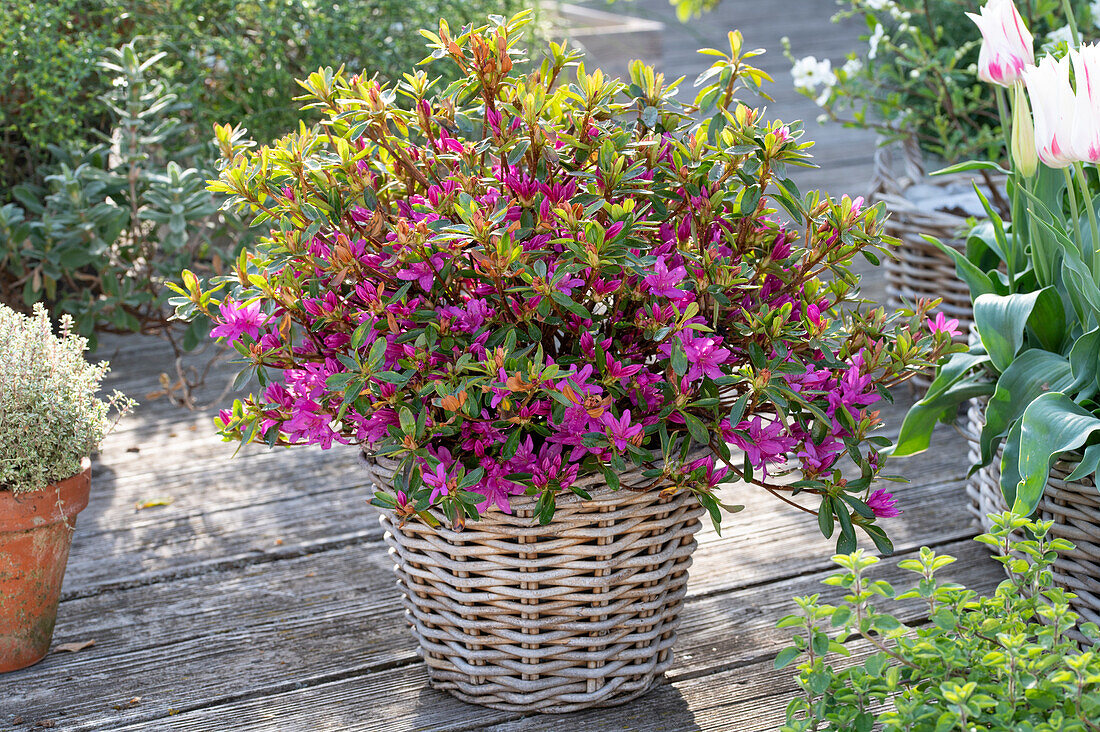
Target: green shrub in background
[[105, 152], [227, 59], [112, 223], [48, 61]]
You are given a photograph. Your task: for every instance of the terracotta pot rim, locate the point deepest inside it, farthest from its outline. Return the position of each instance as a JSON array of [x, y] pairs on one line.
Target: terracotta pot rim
[[60, 501]]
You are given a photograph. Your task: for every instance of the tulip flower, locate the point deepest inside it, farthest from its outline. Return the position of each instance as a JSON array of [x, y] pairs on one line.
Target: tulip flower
[[1053, 104], [1007, 45], [1086, 123]]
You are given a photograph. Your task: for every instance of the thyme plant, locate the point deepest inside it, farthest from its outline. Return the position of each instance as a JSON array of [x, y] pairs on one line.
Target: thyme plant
[[50, 415]]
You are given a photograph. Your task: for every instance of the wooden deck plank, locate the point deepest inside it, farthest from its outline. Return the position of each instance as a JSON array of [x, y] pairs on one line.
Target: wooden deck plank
[[334, 612], [398, 699], [116, 547]]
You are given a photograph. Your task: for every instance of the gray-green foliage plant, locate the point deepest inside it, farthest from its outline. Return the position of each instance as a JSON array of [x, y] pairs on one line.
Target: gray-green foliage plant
[[50, 415], [112, 224], [973, 662]]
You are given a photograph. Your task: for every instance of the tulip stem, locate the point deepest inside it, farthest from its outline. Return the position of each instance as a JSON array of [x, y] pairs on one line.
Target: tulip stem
[[1006, 128], [1090, 208], [1072, 21], [1074, 211], [1006, 119], [1040, 261]]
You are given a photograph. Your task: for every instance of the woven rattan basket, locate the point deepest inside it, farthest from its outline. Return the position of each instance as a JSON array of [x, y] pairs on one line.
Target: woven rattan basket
[[920, 271], [579, 613], [983, 487], [1073, 506]]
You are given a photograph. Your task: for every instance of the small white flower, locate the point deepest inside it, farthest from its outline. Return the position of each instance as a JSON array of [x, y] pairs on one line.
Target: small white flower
[[1058, 35], [853, 66], [809, 73], [881, 4], [914, 74], [876, 38]]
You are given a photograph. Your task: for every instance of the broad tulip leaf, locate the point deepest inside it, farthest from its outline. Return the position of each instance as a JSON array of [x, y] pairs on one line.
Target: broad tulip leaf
[[1035, 372], [1050, 426], [1001, 320], [1082, 292], [1010, 464], [1084, 358], [1089, 462], [983, 249], [957, 366], [974, 277], [1048, 319], [916, 429]]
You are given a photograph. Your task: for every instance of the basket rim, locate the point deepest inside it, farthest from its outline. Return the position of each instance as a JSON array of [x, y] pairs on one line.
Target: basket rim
[[596, 486]]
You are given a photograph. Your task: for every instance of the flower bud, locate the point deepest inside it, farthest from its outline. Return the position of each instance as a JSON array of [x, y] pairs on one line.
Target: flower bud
[[1024, 156]]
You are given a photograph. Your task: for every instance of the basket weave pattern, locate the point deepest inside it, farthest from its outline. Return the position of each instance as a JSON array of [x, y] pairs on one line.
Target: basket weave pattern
[[919, 271], [1074, 506], [576, 614], [983, 487]]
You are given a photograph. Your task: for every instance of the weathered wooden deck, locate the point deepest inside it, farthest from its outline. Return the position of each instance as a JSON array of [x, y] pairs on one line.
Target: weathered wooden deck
[[262, 598]]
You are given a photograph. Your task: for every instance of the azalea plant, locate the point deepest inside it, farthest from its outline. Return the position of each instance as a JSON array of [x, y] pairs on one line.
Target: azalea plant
[[914, 78], [532, 276], [1036, 285]]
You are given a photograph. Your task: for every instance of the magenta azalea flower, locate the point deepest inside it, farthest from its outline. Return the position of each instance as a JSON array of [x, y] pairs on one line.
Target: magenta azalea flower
[[942, 325], [706, 358], [663, 282], [883, 504], [621, 430], [239, 319], [766, 444]]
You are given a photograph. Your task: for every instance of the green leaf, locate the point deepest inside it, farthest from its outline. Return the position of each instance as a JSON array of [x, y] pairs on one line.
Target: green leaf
[[1089, 462], [611, 476], [1035, 372], [1051, 425], [971, 165], [1001, 320], [784, 657], [825, 517], [738, 410], [408, 422], [1084, 360], [916, 429], [696, 428], [1080, 287], [977, 280], [679, 358]]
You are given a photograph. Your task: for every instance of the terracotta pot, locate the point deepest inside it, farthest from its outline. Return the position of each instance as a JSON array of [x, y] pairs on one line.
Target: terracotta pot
[[36, 531]]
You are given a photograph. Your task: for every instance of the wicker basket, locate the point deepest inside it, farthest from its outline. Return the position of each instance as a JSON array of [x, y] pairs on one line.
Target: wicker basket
[[1073, 506], [983, 487], [920, 271], [576, 614]]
